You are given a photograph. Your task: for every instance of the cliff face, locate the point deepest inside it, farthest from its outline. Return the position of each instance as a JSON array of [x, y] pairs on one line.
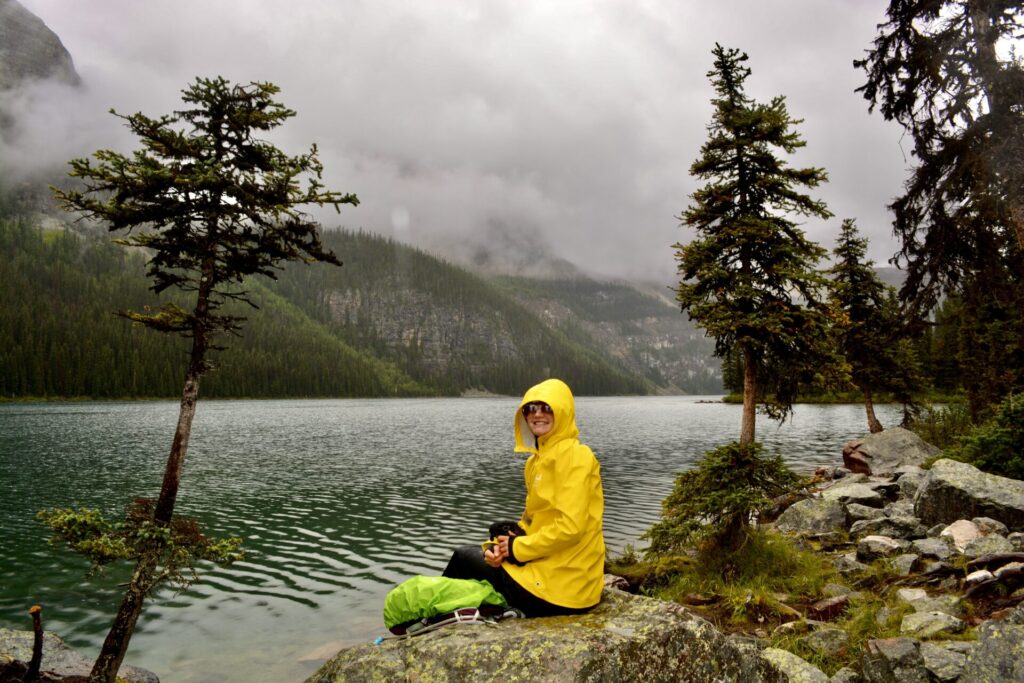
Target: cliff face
[[29, 50]]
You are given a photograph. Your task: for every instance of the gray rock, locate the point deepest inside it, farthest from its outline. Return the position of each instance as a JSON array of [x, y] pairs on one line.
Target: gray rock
[[936, 530], [893, 659], [894, 448], [999, 655], [1016, 539], [60, 658], [909, 482], [812, 516], [944, 665], [895, 527], [925, 625], [901, 508], [855, 512], [831, 590], [826, 641], [792, 667], [871, 548], [936, 548], [947, 603], [988, 526], [911, 595], [954, 490], [624, 638], [854, 493], [988, 545], [847, 564], [904, 564], [845, 675]]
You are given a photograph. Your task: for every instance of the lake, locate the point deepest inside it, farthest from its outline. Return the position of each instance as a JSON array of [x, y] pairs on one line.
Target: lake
[[337, 500]]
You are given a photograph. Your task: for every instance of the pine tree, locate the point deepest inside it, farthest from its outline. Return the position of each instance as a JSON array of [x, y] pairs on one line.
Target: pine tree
[[749, 277], [212, 204], [873, 339]]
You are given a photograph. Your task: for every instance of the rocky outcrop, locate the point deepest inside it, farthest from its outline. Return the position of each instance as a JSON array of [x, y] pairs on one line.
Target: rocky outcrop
[[999, 655], [887, 451], [29, 50], [955, 490], [59, 658], [625, 638]]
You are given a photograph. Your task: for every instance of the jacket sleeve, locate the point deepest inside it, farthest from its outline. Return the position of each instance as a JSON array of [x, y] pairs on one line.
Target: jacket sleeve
[[571, 508]]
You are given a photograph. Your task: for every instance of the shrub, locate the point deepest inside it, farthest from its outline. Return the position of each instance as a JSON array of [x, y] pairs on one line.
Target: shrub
[[997, 445], [715, 502], [942, 427]]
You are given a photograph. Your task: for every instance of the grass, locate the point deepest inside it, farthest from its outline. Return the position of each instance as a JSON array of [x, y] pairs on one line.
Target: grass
[[774, 580]]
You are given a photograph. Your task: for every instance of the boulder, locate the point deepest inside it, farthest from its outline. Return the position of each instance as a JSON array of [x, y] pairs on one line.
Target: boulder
[[888, 451], [933, 548], [987, 526], [944, 664], [847, 564], [987, 545], [954, 490], [60, 658], [930, 624], [871, 548], [905, 564], [854, 493], [812, 516], [855, 512], [998, 656], [910, 481], [827, 641], [1016, 539], [624, 638], [893, 659], [845, 675], [792, 667], [895, 527], [960, 533]]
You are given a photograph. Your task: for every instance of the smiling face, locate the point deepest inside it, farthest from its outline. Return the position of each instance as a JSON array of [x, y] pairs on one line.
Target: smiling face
[[539, 418]]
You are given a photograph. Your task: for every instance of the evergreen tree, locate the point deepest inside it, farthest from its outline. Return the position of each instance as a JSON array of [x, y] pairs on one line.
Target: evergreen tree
[[938, 68], [872, 339], [212, 204], [749, 277]]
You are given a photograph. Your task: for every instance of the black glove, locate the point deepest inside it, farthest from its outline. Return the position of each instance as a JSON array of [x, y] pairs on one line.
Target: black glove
[[506, 528]]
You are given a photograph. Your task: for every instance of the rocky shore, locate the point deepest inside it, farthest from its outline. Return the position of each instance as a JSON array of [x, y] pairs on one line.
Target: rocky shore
[[953, 535]]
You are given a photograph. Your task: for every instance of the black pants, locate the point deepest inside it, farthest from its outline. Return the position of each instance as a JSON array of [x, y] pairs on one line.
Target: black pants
[[468, 563]]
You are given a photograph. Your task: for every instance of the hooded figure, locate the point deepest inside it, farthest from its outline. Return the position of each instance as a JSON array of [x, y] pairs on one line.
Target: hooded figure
[[552, 562], [560, 559]]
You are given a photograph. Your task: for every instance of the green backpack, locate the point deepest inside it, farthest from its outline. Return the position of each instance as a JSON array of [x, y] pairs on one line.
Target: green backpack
[[422, 598]]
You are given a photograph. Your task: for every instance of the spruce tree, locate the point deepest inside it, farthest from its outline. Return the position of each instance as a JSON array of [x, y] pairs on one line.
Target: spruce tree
[[872, 338], [938, 67], [211, 204], [749, 277]]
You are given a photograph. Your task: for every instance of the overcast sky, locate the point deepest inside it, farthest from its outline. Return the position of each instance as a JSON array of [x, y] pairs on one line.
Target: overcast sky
[[558, 129]]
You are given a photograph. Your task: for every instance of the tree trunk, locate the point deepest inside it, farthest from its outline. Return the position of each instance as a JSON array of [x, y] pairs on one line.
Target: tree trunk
[[749, 398], [874, 426], [115, 645]]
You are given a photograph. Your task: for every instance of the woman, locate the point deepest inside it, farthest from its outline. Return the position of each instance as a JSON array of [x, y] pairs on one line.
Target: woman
[[553, 563]]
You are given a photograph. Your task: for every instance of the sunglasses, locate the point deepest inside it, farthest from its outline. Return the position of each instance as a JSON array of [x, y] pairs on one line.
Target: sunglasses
[[531, 408]]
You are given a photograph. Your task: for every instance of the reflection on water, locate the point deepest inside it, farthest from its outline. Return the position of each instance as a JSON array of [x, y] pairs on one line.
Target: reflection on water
[[337, 501]]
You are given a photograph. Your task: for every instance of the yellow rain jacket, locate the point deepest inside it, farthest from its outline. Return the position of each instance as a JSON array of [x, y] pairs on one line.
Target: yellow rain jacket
[[563, 549]]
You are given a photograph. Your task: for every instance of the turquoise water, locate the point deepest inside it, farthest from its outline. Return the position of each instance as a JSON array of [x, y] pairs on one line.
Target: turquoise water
[[338, 501]]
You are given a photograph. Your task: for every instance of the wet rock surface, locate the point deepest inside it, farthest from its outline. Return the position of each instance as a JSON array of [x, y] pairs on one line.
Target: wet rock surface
[[59, 658]]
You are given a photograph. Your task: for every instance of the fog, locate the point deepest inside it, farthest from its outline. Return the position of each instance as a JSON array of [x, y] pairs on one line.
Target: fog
[[507, 133]]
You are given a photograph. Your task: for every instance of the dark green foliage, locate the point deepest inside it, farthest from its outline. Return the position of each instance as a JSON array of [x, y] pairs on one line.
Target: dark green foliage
[[749, 277], [938, 68], [873, 337], [178, 546], [997, 445], [715, 502], [60, 339]]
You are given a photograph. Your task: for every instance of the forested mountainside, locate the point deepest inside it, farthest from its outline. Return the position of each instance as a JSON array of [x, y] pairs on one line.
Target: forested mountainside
[[393, 321]]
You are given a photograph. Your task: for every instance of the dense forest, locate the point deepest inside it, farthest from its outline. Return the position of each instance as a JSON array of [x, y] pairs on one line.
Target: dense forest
[[393, 321]]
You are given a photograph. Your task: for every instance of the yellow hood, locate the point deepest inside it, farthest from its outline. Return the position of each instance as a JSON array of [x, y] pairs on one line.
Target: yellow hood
[[556, 394]]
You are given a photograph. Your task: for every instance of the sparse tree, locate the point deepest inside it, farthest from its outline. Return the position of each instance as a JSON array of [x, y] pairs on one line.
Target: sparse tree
[[873, 339], [749, 278], [211, 203]]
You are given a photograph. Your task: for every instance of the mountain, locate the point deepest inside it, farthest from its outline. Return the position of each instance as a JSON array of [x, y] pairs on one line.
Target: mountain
[[393, 321], [29, 50]]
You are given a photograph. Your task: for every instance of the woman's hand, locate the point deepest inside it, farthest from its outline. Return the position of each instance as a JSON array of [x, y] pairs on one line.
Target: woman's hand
[[498, 552]]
